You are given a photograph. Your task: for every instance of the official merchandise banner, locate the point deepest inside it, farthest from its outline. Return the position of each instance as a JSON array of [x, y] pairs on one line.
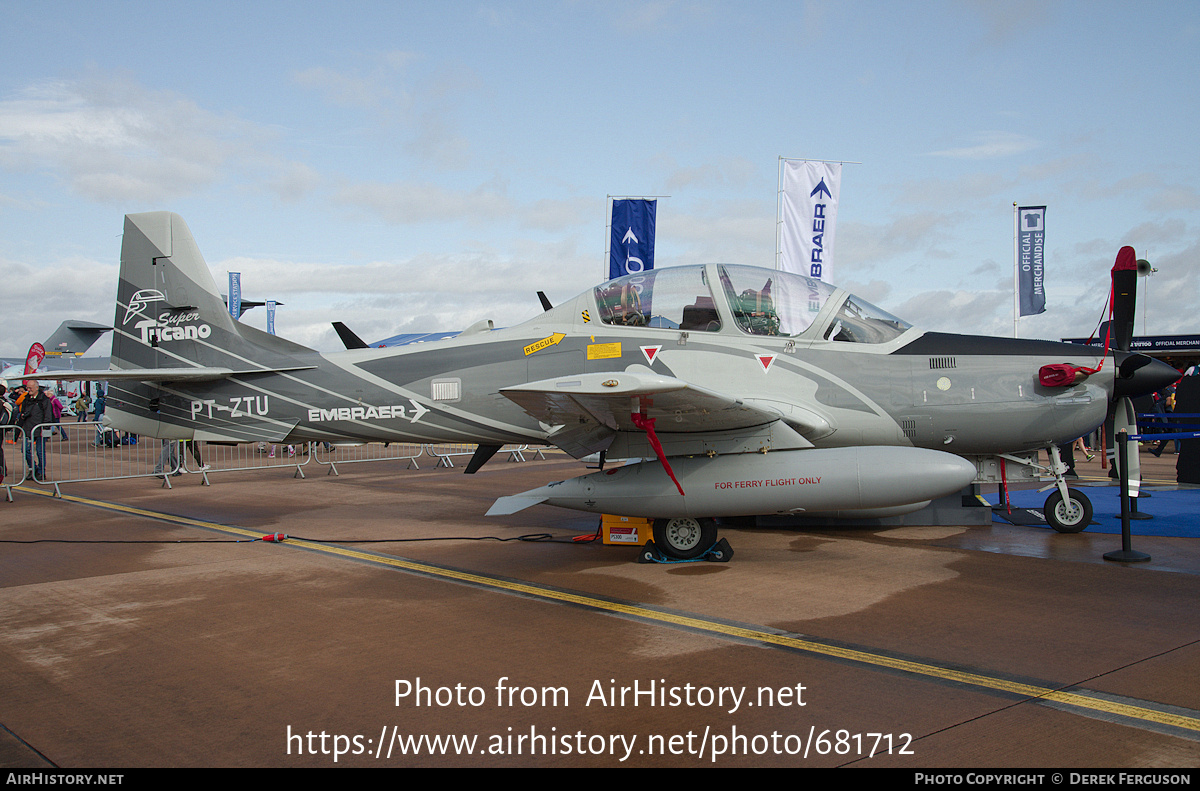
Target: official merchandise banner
[[1031, 246], [809, 204], [632, 245], [235, 295]]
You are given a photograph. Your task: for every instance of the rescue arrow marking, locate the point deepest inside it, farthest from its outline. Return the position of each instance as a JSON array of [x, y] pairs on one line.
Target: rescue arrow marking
[[651, 353], [544, 343]]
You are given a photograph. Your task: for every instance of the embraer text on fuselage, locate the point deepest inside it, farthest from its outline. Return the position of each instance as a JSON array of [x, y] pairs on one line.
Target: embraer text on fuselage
[[356, 413]]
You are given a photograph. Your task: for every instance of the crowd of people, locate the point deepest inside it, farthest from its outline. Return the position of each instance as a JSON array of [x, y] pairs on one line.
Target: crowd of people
[[32, 405]]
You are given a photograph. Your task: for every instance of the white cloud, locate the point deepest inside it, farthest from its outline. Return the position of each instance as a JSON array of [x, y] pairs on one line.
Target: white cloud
[[990, 145], [411, 202], [114, 141]]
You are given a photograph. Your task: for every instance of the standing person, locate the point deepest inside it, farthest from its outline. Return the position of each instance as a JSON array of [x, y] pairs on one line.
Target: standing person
[[56, 409], [35, 410], [99, 413], [168, 459], [99, 405], [200, 465], [81, 408], [8, 415], [1164, 403]]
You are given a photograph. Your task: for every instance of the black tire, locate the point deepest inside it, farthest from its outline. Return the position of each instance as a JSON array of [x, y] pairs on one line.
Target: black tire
[[1070, 516], [683, 537]]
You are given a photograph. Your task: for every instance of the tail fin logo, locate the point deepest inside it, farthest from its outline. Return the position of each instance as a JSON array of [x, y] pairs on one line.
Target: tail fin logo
[[140, 300]]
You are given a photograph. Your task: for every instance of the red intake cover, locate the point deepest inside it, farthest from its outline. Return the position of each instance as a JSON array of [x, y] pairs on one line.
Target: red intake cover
[[1056, 375]]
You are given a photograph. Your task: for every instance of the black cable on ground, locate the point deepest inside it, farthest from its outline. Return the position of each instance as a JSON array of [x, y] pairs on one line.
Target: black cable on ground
[[279, 537]]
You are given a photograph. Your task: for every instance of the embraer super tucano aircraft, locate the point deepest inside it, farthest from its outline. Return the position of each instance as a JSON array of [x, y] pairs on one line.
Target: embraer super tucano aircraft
[[747, 391]]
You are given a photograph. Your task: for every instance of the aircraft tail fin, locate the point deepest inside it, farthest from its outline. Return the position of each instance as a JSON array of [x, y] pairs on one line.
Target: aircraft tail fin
[[349, 339], [169, 311], [74, 337]]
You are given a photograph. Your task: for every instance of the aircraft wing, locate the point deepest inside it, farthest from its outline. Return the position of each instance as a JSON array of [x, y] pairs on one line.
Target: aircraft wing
[[587, 411]]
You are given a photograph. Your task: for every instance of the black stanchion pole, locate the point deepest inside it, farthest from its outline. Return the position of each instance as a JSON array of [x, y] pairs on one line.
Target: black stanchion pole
[[1126, 553]]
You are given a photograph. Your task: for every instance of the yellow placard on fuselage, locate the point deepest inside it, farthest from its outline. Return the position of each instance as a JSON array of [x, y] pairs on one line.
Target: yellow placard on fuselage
[[603, 351]]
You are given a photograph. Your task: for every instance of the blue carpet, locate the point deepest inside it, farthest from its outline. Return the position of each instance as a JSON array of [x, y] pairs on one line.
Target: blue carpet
[[1176, 513]]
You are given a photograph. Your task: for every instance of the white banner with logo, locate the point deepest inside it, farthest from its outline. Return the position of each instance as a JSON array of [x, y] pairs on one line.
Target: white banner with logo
[[808, 207]]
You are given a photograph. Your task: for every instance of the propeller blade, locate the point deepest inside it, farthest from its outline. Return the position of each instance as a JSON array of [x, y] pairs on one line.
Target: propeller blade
[[1125, 419], [1124, 280]]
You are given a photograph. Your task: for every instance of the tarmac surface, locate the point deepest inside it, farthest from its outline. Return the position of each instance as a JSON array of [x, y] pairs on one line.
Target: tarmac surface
[[992, 646]]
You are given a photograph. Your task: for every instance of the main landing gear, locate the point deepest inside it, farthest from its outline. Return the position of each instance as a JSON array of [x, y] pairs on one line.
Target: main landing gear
[[684, 538]]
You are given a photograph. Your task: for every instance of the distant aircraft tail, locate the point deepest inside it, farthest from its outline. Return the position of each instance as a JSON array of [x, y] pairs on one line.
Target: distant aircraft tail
[[74, 337]]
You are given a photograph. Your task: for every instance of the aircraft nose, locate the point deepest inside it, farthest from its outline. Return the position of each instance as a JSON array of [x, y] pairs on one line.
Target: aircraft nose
[[1141, 375]]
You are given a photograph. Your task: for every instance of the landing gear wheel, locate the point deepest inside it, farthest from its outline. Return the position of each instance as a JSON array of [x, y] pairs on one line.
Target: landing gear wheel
[[1068, 516], [683, 537]]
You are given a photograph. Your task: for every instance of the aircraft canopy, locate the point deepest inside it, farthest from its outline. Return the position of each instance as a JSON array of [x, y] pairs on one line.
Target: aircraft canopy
[[759, 302]]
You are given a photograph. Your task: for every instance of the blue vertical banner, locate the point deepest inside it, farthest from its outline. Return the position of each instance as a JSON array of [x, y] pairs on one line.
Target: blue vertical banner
[[631, 248], [271, 316], [235, 295], [1031, 248]]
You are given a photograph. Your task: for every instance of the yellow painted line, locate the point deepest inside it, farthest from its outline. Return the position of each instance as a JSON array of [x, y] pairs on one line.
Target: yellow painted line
[[695, 623]]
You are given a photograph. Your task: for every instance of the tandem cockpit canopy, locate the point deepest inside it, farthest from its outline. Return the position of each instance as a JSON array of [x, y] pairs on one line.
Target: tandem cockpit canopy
[[756, 301]]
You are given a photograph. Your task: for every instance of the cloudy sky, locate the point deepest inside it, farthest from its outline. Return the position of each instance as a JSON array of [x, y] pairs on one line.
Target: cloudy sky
[[408, 166]]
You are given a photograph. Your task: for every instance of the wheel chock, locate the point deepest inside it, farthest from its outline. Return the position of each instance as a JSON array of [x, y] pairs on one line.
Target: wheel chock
[[719, 552]]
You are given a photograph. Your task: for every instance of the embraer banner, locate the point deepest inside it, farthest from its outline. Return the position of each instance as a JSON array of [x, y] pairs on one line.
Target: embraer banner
[[632, 247], [809, 199], [1031, 246]]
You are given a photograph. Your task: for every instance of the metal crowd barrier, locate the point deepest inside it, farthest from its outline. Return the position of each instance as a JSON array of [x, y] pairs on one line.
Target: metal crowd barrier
[[89, 451], [446, 452], [333, 454], [211, 457], [93, 452], [12, 446], [518, 453]]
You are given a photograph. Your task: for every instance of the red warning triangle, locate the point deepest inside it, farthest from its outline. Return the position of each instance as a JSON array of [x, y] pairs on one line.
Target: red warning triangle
[[765, 360], [651, 353]]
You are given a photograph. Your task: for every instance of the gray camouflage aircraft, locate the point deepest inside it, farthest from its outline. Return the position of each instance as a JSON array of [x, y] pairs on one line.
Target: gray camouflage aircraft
[[746, 391]]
